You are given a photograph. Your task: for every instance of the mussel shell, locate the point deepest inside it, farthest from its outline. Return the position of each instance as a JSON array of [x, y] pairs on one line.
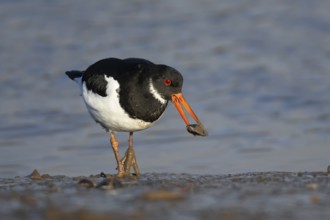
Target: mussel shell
[[197, 129]]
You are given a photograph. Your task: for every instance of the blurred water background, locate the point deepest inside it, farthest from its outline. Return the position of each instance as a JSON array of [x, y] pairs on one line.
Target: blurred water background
[[256, 73]]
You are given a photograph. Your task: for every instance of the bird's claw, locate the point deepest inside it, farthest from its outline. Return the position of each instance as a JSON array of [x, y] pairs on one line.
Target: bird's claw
[[128, 162]]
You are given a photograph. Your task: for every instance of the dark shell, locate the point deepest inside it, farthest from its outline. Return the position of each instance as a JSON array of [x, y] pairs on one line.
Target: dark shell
[[197, 129]]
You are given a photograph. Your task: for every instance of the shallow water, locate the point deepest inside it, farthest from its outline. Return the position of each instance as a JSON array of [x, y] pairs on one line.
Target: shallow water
[[256, 74]]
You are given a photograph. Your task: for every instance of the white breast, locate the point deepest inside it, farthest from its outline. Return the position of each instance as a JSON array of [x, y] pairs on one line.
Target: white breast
[[107, 110]]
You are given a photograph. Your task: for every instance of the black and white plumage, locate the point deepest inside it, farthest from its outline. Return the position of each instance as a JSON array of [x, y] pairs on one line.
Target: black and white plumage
[[130, 95]]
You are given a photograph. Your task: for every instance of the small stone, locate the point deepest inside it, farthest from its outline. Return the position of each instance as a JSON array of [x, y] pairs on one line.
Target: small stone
[[103, 175], [109, 183], [162, 195], [29, 200], [236, 179], [311, 186], [45, 176], [314, 199], [35, 175], [261, 179], [87, 183]]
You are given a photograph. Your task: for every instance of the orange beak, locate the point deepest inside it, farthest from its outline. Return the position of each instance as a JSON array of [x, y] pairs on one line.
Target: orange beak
[[179, 101]]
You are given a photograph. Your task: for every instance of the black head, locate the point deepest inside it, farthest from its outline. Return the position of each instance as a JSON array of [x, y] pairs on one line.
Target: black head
[[168, 84], [167, 81]]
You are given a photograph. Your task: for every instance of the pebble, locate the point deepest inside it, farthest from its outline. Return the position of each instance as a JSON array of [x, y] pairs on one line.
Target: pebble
[[35, 175], [311, 186], [162, 195]]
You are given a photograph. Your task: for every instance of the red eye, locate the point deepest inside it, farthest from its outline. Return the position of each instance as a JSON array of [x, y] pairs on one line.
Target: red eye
[[167, 82]]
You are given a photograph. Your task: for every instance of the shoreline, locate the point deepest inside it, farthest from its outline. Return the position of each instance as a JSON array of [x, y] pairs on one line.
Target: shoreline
[[255, 195]]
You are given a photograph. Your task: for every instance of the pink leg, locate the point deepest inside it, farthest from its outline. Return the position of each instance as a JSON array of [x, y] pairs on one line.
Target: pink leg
[[115, 146], [129, 160]]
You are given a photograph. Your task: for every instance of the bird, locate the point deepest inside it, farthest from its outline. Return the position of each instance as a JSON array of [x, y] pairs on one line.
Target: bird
[[130, 95]]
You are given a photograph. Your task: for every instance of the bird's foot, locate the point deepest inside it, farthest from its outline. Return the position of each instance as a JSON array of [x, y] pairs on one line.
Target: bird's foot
[[125, 164], [120, 174], [128, 162], [127, 174]]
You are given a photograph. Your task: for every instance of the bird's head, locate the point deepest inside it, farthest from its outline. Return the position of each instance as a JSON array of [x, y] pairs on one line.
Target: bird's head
[[167, 85]]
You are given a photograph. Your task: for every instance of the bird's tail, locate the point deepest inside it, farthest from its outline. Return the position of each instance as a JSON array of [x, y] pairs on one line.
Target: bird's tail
[[73, 74]]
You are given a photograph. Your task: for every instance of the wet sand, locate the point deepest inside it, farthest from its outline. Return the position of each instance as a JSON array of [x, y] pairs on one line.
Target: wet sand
[[257, 195]]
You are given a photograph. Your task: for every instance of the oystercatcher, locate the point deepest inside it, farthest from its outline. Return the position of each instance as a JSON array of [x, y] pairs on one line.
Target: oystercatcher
[[128, 95]]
